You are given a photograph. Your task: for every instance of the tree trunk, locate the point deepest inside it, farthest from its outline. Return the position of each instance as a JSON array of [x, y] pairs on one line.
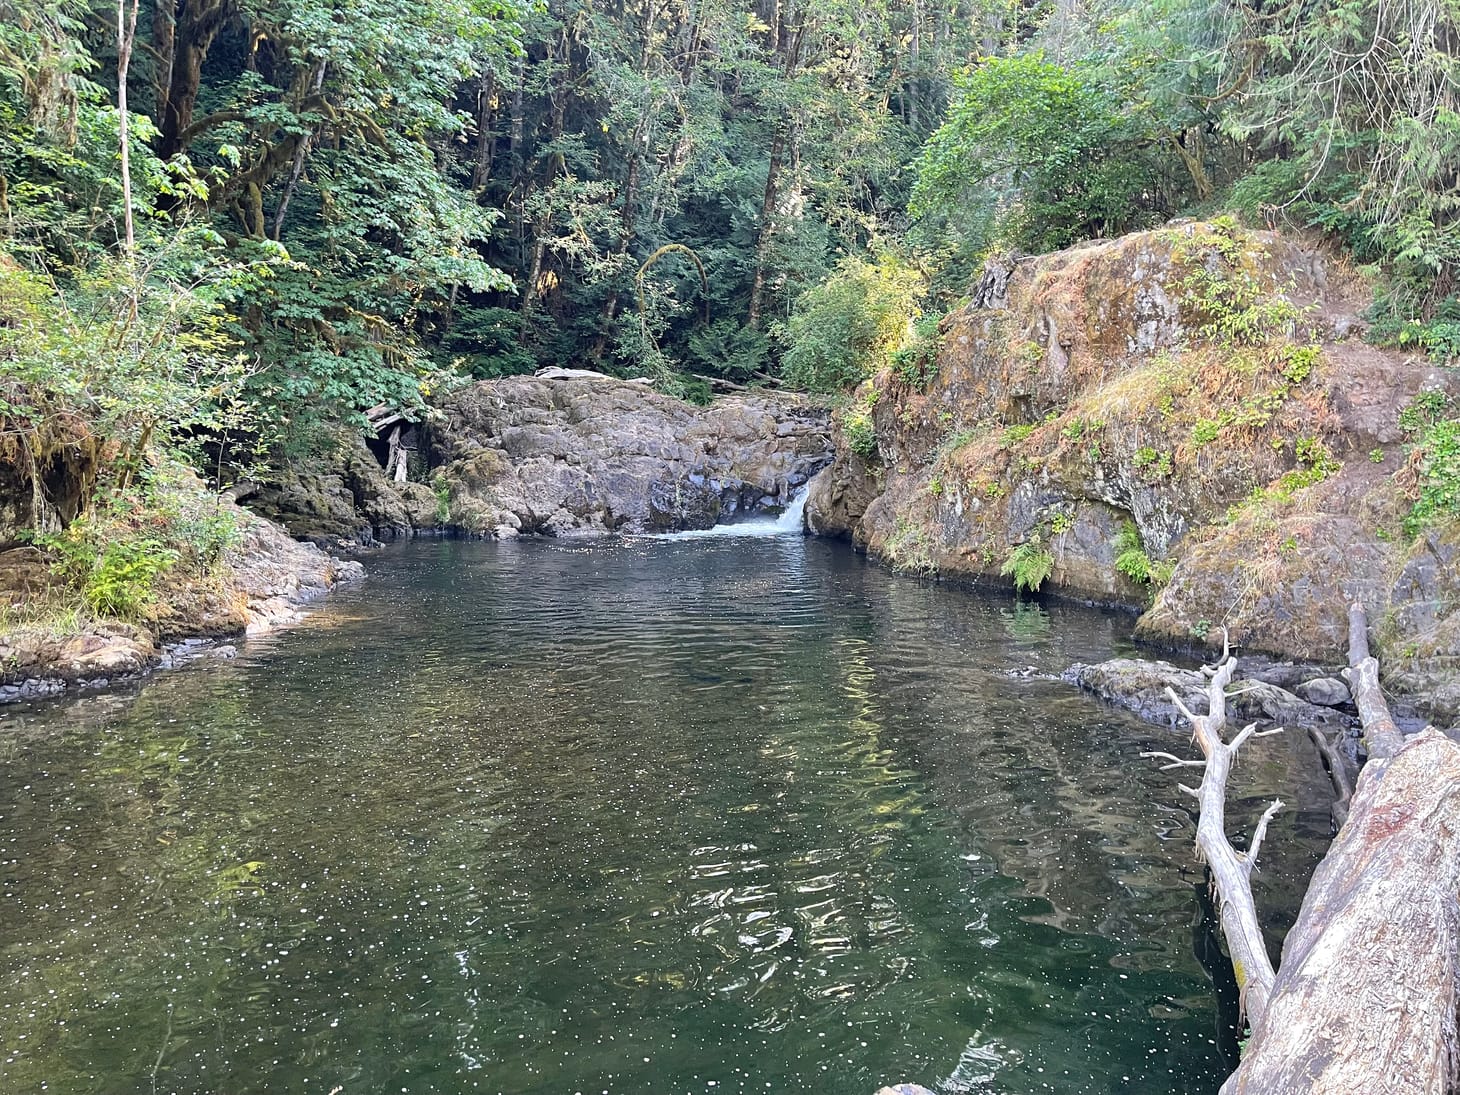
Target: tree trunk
[[297, 168], [1365, 1001], [767, 228], [1231, 870], [126, 35], [486, 143], [194, 26]]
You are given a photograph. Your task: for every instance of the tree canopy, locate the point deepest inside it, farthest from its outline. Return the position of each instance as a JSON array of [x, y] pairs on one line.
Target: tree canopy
[[393, 196]]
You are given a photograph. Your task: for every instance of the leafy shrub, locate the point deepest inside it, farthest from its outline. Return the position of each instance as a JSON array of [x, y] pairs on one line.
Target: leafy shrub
[[1205, 431], [1030, 564], [114, 574], [122, 579], [1438, 466], [917, 362], [847, 328], [860, 431], [1034, 154], [730, 349], [1427, 408]]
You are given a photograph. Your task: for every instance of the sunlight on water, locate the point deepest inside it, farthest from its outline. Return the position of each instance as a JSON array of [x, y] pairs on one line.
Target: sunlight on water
[[544, 818]]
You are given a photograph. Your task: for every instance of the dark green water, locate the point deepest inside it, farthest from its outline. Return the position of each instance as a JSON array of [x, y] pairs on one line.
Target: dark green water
[[686, 816]]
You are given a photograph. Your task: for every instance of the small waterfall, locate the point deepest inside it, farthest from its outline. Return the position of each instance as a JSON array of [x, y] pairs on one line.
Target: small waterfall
[[790, 522]]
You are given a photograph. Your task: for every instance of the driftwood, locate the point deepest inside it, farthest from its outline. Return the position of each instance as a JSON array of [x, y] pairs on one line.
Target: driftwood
[[1365, 1001], [1338, 775], [1231, 870], [1381, 737]]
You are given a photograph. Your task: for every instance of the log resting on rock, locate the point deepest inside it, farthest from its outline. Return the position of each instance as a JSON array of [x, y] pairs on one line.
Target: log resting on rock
[[1365, 1000]]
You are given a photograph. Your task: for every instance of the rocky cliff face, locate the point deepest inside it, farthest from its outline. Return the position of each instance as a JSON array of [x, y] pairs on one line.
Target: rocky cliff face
[[576, 454], [1184, 421]]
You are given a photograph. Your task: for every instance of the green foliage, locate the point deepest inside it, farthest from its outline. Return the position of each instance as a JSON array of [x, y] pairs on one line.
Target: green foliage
[[113, 555], [1153, 462], [916, 363], [1426, 409], [1231, 304], [907, 548], [1355, 104], [441, 491], [730, 349], [1030, 564], [1034, 154], [113, 576], [1205, 431], [860, 430], [851, 326], [1132, 560], [1437, 455], [124, 355]]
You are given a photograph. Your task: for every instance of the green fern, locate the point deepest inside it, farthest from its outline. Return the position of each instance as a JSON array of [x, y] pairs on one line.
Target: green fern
[[1030, 564]]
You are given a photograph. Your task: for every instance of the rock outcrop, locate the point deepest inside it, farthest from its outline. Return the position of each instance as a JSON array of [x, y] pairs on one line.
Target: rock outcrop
[[573, 453], [1184, 421], [264, 581]]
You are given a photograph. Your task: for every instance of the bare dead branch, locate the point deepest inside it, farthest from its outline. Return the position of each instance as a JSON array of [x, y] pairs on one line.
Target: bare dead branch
[[1176, 762], [1230, 870], [1338, 775], [1381, 736], [1259, 833]]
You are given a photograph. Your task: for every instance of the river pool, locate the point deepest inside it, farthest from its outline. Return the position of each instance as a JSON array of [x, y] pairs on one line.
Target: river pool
[[650, 817]]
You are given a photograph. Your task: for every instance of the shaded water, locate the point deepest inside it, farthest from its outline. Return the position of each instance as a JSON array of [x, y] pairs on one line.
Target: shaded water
[[657, 816]]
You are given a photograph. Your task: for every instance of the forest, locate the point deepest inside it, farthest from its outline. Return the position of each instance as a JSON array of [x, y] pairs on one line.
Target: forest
[[229, 227]]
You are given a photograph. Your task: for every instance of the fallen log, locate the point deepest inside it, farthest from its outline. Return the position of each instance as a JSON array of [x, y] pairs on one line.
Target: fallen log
[[1365, 999], [1231, 870], [1381, 736]]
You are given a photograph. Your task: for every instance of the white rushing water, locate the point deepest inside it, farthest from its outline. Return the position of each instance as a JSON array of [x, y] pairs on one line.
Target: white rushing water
[[790, 522]]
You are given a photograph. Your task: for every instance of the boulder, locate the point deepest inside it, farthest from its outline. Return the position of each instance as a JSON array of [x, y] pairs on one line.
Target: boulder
[[1324, 691], [1140, 686], [1084, 404], [569, 454]]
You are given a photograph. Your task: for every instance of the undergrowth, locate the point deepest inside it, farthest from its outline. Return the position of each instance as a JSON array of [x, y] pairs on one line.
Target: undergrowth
[[1030, 564], [1132, 560], [111, 560], [1435, 459]]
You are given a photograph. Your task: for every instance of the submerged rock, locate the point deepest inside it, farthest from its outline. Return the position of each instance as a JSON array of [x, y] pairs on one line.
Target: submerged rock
[[1140, 686]]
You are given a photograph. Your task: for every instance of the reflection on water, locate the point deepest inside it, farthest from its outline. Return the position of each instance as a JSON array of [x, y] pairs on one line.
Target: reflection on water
[[666, 815]]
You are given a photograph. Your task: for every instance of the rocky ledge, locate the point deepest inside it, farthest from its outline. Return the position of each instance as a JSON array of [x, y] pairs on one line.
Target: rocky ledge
[[264, 582], [572, 453], [1186, 422]]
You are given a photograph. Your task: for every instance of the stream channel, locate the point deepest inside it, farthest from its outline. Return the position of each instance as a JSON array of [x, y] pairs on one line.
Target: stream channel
[[685, 815]]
